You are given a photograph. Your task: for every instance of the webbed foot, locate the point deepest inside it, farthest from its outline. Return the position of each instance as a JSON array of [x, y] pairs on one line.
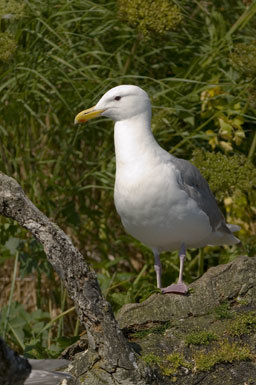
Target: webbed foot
[[177, 288]]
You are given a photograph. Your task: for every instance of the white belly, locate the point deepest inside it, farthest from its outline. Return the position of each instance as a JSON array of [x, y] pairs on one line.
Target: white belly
[[156, 211]]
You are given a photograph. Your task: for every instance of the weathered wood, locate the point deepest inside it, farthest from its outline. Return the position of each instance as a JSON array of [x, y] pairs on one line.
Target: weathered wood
[[113, 358]]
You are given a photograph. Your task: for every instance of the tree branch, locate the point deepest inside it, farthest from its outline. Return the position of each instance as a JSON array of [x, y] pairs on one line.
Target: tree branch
[[95, 313]]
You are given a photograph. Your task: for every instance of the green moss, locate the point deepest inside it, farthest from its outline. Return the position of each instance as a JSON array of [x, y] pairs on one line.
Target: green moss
[[150, 16], [200, 338], [202, 360], [224, 353], [223, 345], [159, 329], [243, 324], [174, 362], [152, 359], [223, 311], [168, 365]]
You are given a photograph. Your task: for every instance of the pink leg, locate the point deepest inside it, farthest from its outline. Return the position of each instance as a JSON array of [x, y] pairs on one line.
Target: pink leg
[[158, 268], [180, 287]]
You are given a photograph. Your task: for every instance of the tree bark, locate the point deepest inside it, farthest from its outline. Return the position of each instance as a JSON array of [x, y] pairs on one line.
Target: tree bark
[[112, 356]]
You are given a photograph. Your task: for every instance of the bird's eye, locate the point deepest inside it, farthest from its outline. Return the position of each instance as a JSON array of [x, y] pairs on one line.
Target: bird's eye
[[117, 98]]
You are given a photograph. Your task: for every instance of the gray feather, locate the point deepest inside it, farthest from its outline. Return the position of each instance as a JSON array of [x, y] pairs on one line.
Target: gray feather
[[42, 372], [44, 377], [48, 364], [192, 181]]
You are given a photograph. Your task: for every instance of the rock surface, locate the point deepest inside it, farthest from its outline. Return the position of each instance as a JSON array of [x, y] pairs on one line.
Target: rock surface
[[217, 285], [207, 337]]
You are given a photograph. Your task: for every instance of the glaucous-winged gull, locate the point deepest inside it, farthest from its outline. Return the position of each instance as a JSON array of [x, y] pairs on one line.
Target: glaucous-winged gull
[[162, 200]]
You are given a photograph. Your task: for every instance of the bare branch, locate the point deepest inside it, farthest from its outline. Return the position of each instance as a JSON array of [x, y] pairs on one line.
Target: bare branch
[[95, 313]]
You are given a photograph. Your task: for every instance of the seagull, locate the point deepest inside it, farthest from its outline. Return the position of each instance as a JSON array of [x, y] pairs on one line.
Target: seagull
[[163, 201]]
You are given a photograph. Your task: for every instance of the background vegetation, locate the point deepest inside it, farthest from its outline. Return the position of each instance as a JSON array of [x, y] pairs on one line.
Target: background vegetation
[[197, 61]]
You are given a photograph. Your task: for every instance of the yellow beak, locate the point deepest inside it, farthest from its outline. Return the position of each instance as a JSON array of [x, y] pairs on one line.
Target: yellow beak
[[85, 115]]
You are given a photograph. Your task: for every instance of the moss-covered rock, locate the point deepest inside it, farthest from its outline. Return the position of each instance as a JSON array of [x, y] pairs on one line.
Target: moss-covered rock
[[207, 336], [202, 337]]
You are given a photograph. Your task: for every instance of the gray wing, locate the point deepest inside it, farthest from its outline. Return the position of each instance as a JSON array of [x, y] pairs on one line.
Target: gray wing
[[192, 181], [48, 363]]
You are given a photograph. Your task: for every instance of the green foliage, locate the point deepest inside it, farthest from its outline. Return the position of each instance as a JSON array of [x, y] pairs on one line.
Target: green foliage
[[227, 174], [21, 324], [7, 46], [243, 58], [28, 332], [232, 179], [38, 333], [12, 9], [157, 17], [228, 119]]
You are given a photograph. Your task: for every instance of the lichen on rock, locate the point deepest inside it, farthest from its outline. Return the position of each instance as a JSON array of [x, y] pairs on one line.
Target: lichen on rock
[[208, 336]]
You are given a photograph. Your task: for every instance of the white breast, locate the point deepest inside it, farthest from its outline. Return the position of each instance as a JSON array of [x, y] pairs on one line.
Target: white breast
[[152, 206], [155, 210]]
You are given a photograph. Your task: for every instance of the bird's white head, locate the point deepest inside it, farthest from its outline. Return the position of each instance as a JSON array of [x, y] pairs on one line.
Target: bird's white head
[[119, 103]]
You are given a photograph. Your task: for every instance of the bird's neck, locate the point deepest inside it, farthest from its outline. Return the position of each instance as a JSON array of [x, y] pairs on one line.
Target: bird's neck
[[134, 141]]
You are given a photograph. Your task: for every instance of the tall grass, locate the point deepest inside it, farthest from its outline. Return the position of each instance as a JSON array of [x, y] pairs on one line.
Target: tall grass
[[68, 54]]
